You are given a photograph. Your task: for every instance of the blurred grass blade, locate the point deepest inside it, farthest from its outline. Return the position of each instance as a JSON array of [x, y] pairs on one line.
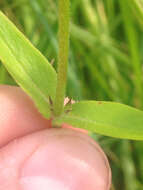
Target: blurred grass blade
[[106, 118], [27, 65], [128, 165], [137, 7], [133, 43]]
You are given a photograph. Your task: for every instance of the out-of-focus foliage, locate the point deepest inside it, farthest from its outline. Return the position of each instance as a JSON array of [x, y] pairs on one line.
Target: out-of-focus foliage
[[105, 62]]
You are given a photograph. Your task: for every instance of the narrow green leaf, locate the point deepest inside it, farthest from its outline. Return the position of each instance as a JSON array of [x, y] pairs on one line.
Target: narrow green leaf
[[106, 118], [27, 65]]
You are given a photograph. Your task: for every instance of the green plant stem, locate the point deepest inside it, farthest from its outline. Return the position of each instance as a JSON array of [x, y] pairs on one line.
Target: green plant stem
[[64, 12]]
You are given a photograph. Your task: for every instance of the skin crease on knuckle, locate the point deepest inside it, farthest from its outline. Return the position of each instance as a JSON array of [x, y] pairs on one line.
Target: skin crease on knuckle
[[67, 158]]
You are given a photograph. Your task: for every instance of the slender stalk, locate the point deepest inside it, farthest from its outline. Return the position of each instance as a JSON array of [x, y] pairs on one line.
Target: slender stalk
[[64, 18]]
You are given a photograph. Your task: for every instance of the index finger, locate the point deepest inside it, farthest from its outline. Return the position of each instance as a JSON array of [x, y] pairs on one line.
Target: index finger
[[18, 114]]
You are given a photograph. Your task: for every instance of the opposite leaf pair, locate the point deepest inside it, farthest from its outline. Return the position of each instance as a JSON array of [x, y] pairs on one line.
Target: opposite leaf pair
[[38, 78]]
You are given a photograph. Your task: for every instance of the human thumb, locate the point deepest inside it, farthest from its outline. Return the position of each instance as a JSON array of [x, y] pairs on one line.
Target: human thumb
[[57, 159]]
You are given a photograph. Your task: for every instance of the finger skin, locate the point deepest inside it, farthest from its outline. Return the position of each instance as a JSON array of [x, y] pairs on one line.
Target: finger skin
[[18, 114], [57, 159], [60, 159]]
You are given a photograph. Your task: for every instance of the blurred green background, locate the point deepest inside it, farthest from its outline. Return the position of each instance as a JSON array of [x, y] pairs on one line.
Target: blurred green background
[[106, 62]]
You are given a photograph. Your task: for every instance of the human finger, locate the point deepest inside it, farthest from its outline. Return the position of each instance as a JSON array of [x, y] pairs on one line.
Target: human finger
[[18, 114], [57, 159]]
